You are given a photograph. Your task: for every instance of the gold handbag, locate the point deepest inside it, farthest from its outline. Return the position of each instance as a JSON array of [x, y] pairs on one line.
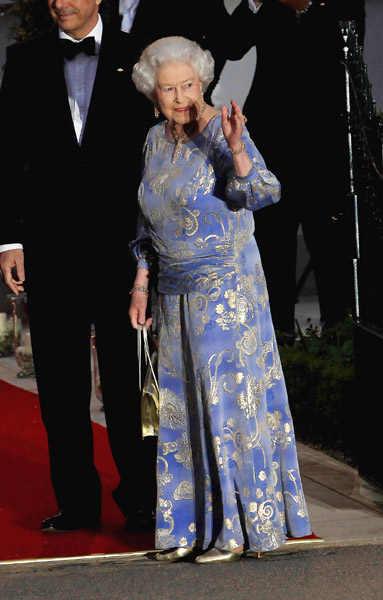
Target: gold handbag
[[150, 390]]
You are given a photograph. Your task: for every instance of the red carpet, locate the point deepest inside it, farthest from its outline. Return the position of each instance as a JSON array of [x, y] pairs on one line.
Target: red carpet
[[26, 497]]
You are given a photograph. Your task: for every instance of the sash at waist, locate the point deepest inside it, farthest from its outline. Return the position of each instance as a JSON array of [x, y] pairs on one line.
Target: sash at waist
[[178, 278]]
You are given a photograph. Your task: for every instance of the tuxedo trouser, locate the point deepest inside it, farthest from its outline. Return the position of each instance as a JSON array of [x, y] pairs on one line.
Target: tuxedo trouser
[[276, 229], [61, 311]]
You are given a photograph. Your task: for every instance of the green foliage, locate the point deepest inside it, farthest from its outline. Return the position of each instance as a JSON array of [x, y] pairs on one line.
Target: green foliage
[[333, 344], [34, 18], [319, 372]]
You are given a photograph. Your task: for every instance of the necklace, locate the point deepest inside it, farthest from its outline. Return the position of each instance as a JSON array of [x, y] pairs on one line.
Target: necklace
[[179, 139], [201, 111]]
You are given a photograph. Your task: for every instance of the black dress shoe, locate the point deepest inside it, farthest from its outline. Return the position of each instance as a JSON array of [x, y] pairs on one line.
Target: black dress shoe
[[68, 521], [141, 520]]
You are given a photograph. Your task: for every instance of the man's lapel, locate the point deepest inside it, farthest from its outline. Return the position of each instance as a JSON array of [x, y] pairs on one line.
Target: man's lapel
[[101, 87], [57, 93], [113, 78]]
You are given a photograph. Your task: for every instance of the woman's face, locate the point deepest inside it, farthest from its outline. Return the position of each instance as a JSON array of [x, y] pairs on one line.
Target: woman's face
[[178, 92]]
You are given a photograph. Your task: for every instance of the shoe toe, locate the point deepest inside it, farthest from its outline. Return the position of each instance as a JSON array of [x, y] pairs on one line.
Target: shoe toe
[[65, 521], [174, 555], [216, 555]]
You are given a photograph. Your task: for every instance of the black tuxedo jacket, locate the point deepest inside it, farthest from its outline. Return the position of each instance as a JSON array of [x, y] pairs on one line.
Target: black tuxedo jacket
[[297, 93], [155, 19], [53, 189]]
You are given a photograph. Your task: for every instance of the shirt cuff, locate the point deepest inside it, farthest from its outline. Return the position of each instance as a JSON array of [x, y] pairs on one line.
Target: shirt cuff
[[5, 247]]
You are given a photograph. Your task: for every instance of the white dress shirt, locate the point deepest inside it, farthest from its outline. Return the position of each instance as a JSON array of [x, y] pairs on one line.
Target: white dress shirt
[[252, 6], [80, 74], [128, 10]]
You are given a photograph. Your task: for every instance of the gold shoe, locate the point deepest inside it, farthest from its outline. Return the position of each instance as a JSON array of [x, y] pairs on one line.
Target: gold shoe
[[173, 555], [215, 555]]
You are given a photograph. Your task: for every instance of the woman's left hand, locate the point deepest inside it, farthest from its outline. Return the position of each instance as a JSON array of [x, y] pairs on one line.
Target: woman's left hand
[[232, 125]]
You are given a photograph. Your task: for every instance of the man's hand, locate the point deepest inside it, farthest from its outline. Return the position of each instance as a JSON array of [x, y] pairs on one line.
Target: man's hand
[[296, 4], [13, 259]]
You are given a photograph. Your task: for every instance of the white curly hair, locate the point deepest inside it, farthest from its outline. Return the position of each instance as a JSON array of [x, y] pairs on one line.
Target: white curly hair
[[170, 50]]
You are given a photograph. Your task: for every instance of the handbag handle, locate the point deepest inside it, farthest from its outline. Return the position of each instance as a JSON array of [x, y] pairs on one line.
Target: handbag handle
[[142, 329]]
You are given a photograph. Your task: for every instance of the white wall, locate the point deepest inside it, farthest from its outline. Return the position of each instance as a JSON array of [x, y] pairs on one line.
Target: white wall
[[373, 48]]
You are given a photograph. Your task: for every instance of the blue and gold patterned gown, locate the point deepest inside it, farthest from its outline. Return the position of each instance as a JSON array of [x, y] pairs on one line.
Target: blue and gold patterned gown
[[227, 468]]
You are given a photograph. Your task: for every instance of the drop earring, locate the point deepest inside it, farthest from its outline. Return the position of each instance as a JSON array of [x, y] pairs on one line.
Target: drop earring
[[156, 112]]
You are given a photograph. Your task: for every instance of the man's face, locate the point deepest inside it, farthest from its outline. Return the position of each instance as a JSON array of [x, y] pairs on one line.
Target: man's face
[[76, 17]]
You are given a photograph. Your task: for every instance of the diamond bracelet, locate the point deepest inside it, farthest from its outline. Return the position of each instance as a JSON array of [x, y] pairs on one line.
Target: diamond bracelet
[[139, 288]]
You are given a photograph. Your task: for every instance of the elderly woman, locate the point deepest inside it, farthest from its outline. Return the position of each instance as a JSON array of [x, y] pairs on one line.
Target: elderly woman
[[228, 476]]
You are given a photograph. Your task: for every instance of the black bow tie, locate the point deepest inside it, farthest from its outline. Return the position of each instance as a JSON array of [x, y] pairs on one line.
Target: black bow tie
[[70, 49]]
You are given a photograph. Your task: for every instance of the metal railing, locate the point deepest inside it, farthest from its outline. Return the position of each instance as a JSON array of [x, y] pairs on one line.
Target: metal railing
[[364, 133]]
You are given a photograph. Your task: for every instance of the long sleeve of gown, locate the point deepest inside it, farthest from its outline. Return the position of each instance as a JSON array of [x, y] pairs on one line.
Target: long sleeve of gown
[[257, 189], [141, 248]]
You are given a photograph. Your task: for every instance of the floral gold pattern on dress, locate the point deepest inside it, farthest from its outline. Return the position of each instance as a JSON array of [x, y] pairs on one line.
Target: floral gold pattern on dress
[[164, 477], [250, 401], [184, 453], [226, 380], [173, 412], [161, 182], [233, 524], [298, 497], [248, 343], [184, 491], [164, 535]]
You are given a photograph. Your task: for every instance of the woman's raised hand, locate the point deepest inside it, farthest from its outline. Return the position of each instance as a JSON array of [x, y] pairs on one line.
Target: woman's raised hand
[[232, 125]]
